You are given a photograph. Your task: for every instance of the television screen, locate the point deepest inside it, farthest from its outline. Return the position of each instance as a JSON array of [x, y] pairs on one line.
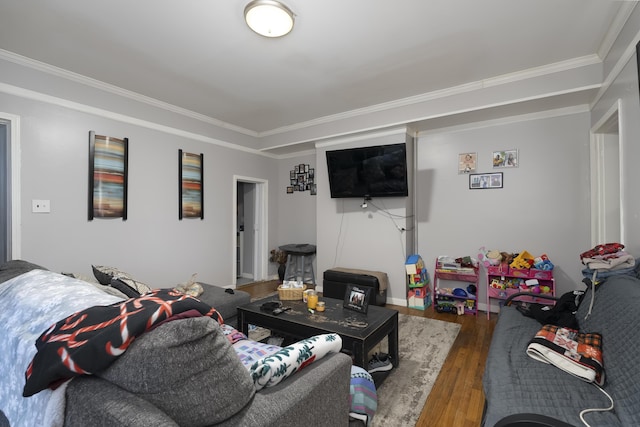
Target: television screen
[[379, 171]]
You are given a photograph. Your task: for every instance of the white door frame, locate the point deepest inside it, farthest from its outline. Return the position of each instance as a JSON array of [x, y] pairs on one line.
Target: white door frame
[[15, 219], [600, 174], [259, 228]]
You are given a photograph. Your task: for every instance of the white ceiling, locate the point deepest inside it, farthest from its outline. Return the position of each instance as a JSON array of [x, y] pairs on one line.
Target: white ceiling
[[342, 55]]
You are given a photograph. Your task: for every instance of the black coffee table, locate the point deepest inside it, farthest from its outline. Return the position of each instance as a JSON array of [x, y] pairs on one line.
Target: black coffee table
[[359, 332]]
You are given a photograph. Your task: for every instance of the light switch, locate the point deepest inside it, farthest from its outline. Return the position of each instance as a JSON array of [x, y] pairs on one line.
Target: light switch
[[41, 206]]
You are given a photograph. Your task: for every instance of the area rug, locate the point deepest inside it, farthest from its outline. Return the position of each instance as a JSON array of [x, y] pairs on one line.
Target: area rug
[[423, 345]]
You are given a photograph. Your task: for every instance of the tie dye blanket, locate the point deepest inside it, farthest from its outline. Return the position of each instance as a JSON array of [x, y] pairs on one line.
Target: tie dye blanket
[[29, 304], [76, 330]]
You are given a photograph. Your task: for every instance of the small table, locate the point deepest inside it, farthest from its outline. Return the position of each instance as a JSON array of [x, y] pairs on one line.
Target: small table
[[359, 332]]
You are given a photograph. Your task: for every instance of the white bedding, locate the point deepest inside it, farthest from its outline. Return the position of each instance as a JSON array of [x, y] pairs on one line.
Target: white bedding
[[29, 304]]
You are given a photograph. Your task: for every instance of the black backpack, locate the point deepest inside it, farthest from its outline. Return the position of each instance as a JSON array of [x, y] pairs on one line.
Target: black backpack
[[561, 314]]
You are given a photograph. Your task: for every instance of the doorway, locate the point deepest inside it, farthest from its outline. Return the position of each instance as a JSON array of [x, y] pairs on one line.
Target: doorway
[[9, 187], [606, 176], [250, 230]]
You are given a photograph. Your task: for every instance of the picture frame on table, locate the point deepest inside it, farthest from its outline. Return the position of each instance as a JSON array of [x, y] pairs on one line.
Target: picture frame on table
[[356, 298], [483, 181], [108, 176]]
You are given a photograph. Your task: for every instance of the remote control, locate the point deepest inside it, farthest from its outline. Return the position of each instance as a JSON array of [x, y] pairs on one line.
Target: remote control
[[281, 310]]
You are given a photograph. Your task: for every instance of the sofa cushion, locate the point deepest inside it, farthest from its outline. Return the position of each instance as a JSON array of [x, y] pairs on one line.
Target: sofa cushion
[[11, 269], [90, 340], [186, 368]]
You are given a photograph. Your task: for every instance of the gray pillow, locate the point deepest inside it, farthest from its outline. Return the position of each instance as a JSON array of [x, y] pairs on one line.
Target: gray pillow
[[188, 369]]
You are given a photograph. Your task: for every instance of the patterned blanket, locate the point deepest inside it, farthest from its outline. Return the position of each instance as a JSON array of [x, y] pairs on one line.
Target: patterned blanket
[[95, 329], [88, 341], [29, 304]]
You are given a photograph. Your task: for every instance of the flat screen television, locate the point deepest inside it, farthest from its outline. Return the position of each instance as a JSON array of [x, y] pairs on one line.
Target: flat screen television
[[378, 171]]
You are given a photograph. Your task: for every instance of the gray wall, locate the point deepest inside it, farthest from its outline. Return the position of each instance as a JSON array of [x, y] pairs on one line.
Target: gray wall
[[543, 207], [297, 211], [369, 239], [153, 245]]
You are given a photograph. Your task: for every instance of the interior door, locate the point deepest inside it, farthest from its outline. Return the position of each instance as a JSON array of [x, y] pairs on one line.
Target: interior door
[[606, 175], [250, 229]]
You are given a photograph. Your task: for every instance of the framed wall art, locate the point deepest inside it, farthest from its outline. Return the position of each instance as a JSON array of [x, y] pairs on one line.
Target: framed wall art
[[505, 159], [191, 191], [467, 162], [108, 169], [301, 178], [481, 181], [357, 298]]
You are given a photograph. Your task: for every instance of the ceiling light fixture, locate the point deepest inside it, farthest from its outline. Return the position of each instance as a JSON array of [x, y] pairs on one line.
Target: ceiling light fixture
[[269, 18]]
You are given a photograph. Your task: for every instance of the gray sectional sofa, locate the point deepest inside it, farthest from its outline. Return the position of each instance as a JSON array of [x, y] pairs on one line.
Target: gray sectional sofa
[[518, 388], [185, 373]]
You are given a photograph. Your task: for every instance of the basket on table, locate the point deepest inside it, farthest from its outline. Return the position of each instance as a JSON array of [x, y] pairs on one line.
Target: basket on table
[[291, 294]]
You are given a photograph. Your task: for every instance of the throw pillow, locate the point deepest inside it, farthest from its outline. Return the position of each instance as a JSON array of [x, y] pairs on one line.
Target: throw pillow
[[120, 280], [104, 274], [274, 368], [121, 286], [186, 368], [91, 339]]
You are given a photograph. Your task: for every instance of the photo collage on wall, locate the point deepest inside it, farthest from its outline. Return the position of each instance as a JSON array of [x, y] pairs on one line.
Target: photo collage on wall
[[302, 178], [467, 164]]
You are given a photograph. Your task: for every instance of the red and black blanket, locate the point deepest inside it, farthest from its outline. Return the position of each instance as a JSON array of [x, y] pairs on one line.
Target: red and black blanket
[[90, 340]]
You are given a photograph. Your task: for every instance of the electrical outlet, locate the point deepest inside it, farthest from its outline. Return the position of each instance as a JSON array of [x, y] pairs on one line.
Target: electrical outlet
[[40, 206]]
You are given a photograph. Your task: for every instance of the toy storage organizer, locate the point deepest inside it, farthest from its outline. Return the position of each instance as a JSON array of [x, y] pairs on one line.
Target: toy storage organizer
[[460, 296], [503, 281]]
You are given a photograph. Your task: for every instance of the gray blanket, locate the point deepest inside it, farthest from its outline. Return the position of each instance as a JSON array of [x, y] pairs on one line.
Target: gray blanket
[[515, 383]]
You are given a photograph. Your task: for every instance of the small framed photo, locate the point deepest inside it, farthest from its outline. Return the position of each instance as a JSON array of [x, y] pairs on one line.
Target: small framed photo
[[314, 190], [289, 190], [292, 174], [312, 173], [505, 159], [357, 298], [482, 181], [467, 162]]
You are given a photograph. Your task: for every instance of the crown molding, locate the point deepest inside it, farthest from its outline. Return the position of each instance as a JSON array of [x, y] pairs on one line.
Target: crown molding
[[109, 88], [530, 73], [408, 101], [72, 105], [557, 112]]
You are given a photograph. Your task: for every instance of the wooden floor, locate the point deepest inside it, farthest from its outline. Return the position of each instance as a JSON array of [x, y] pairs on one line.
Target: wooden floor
[[456, 398]]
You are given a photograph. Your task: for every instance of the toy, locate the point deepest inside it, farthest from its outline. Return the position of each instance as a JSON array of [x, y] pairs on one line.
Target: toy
[[523, 260], [459, 292], [497, 284], [460, 307]]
